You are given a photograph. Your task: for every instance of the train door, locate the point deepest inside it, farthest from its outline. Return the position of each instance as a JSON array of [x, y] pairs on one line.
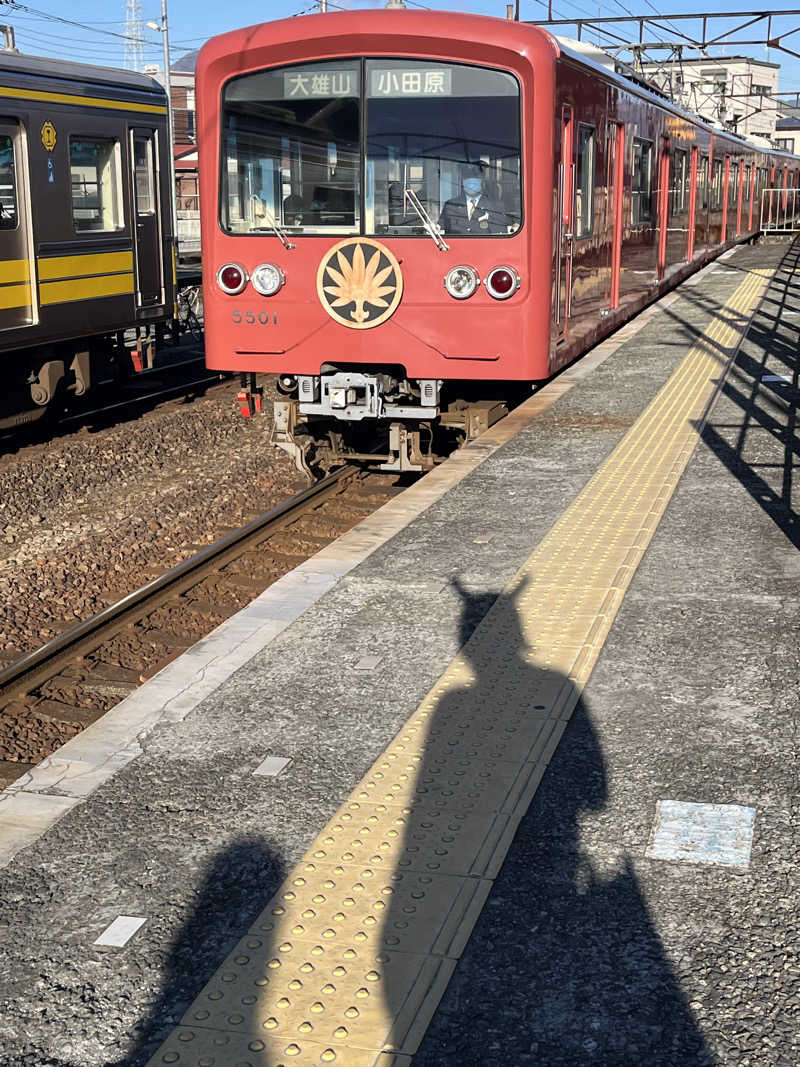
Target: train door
[[663, 205], [147, 217], [566, 215], [725, 197], [692, 204], [615, 142], [16, 292]]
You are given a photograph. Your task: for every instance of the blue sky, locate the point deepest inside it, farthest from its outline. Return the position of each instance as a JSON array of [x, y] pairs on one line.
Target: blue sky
[[192, 22]]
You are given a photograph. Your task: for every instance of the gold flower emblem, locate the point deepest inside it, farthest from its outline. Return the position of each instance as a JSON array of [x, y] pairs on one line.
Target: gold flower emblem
[[359, 283]]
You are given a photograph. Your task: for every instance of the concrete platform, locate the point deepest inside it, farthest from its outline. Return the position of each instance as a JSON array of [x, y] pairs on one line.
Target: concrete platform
[[589, 948]]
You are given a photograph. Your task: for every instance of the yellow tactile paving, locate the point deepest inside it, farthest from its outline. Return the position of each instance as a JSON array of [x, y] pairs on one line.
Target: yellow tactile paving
[[347, 962]]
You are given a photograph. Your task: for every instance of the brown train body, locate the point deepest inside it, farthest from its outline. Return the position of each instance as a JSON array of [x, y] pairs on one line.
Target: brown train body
[[86, 246]]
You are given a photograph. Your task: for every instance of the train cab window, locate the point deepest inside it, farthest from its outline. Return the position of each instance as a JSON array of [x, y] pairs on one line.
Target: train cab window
[[702, 184], [584, 180], [96, 189], [8, 185], [716, 186], [442, 140], [642, 182], [291, 149], [679, 199]]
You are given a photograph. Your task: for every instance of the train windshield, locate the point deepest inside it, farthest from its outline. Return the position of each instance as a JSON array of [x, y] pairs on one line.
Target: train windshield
[[441, 141], [448, 133]]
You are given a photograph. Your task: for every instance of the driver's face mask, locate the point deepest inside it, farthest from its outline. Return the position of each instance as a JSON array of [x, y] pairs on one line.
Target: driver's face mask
[[472, 186]]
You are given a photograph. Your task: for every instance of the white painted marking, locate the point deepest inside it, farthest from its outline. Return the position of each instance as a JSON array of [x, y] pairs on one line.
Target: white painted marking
[[272, 766], [785, 378], [702, 833], [367, 663], [119, 933]]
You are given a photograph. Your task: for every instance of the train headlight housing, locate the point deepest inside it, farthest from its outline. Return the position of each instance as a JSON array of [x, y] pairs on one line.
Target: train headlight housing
[[502, 282], [232, 278], [267, 279], [461, 282]]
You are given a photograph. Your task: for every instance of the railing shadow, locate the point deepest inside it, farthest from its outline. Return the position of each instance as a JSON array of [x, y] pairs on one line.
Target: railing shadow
[[761, 415]]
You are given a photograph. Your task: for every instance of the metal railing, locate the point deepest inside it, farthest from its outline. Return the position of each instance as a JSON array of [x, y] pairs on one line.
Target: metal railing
[[780, 210]]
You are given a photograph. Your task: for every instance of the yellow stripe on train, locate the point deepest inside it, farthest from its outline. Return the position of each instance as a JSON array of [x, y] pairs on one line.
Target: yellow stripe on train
[[59, 267], [85, 288], [80, 101]]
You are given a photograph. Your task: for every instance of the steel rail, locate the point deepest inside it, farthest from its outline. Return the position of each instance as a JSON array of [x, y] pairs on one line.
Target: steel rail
[[36, 667]]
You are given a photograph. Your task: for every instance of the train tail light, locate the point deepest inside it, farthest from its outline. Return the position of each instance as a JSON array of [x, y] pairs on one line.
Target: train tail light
[[267, 279], [461, 282], [232, 279], [502, 282]]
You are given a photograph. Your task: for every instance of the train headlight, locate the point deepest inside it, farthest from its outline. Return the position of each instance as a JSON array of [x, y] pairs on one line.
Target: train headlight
[[267, 279], [502, 282], [232, 278], [461, 282]]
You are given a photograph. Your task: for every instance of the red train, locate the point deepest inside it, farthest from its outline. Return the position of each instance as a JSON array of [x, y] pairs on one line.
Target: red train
[[407, 212]]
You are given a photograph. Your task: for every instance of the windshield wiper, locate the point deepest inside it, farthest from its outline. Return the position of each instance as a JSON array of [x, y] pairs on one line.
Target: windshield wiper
[[410, 197], [279, 231]]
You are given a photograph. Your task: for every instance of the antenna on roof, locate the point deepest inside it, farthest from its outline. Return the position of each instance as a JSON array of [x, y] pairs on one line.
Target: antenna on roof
[[134, 35]]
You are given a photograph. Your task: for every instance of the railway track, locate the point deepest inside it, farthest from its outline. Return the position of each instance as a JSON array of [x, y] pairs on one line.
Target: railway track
[[57, 690]]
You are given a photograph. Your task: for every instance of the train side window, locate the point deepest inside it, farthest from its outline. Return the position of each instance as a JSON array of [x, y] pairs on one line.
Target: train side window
[[733, 184], [716, 188], [642, 182], [584, 180], [143, 172], [96, 188], [8, 185], [678, 196], [702, 184]]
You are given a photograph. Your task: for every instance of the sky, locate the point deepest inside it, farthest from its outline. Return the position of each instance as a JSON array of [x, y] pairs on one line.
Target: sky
[[99, 39]]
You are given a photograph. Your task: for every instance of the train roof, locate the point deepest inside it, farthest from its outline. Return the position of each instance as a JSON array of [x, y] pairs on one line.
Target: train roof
[[456, 26], [80, 73]]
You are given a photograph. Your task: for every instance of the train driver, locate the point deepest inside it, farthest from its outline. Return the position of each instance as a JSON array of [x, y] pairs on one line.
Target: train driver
[[473, 211]]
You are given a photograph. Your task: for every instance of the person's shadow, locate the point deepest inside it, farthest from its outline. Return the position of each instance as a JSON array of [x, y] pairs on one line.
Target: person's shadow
[[565, 965], [237, 884]]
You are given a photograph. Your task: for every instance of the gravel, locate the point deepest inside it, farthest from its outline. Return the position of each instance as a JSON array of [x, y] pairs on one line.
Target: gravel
[[91, 515]]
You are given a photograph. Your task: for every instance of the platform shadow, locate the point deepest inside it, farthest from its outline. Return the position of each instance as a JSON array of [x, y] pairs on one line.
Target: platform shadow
[[565, 966], [238, 883]]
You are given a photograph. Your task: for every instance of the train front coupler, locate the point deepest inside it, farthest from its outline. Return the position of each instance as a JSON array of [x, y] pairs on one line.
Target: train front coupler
[[332, 409]]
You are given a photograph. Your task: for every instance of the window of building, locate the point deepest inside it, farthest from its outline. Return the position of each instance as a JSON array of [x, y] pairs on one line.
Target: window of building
[[8, 185], [784, 144], [716, 185], [679, 199], [584, 180], [96, 190], [761, 90], [642, 182]]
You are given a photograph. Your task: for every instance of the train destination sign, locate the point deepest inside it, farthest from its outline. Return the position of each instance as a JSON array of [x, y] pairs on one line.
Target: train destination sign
[[299, 84], [401, 81]]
